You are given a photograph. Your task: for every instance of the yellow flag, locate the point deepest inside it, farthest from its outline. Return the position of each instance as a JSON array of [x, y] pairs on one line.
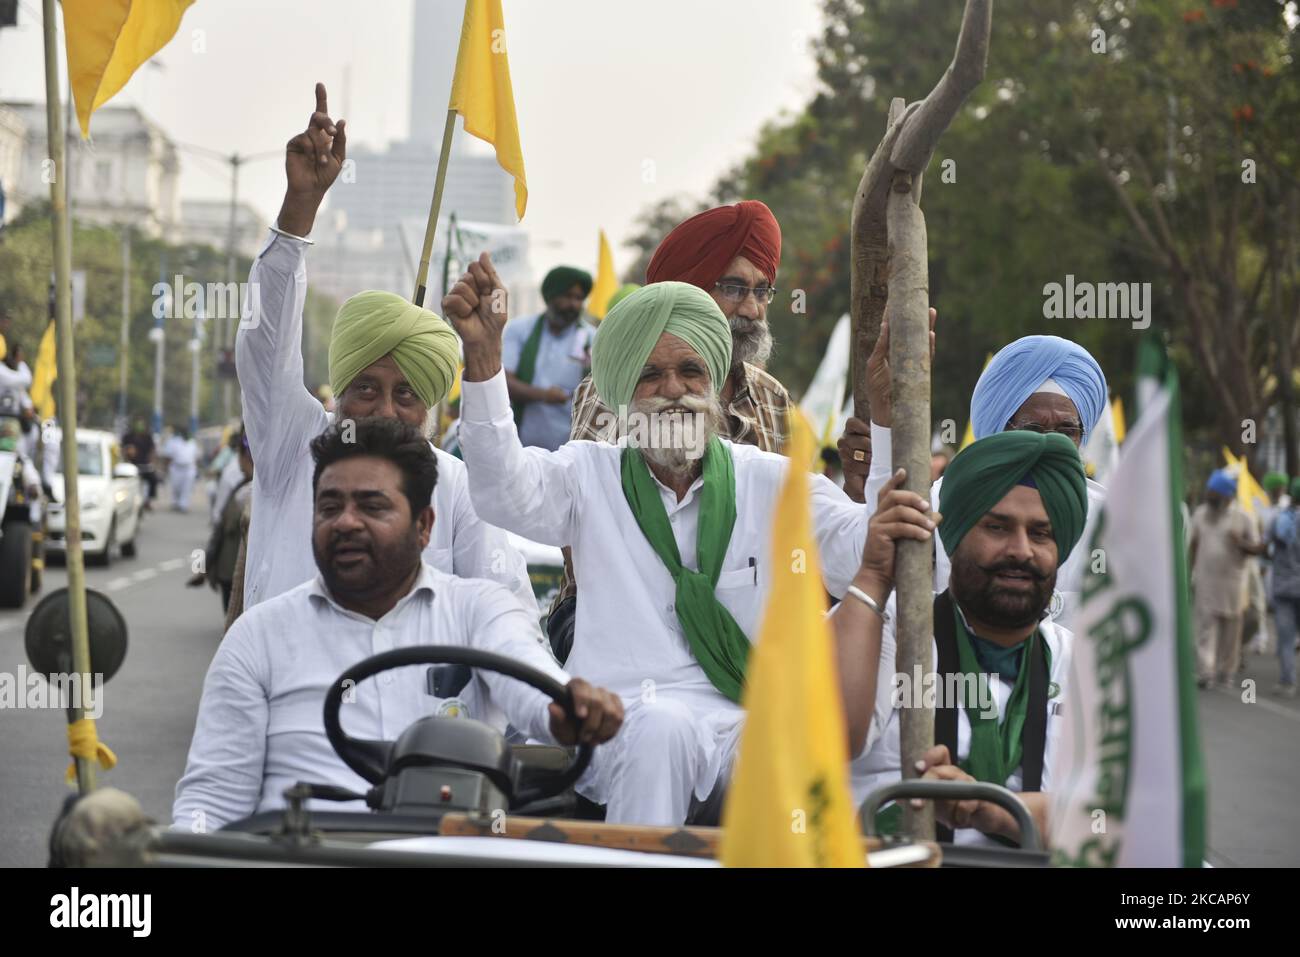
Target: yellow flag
[[606, 281], [1117, 415], [108, 40], [1249, 492], [481, 91], [44, 372], [789, 804]]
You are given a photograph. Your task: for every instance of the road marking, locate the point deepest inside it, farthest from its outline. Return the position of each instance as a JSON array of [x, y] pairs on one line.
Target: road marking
[[1275, 708], [144, 574], [171, 564], [117, 584]]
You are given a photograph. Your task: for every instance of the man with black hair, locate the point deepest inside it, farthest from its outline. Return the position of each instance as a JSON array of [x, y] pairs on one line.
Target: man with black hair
[[260, 727]]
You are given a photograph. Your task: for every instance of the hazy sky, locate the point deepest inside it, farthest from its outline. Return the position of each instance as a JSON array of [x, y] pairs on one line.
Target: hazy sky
[[601, 86]]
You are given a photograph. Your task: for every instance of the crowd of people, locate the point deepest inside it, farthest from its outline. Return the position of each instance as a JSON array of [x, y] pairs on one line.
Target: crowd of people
[[649, 448]]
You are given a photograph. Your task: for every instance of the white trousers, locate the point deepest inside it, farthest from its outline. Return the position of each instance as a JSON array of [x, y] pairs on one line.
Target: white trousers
[[665, 753], [182, 478]]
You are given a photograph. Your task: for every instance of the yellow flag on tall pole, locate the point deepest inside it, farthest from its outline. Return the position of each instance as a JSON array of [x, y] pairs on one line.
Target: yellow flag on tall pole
[[108, 40], [606, 281], [44, 372], [1117, 415], [789, 804], [481, 92], [1249, 492]]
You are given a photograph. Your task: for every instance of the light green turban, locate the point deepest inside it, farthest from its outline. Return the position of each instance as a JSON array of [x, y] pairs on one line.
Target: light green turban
[[374, 324], [987, 469], [631, 330]]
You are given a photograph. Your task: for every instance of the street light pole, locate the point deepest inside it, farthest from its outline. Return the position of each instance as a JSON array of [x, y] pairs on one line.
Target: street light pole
[[124, 336]]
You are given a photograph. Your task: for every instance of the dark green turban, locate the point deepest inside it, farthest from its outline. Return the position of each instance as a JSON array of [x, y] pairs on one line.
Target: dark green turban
[[374, 324], [986, 470], [631, 330], [563, 278], [1274, 480]]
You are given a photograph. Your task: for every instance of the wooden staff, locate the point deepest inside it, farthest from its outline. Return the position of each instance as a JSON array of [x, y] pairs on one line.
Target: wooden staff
[[889, 270]]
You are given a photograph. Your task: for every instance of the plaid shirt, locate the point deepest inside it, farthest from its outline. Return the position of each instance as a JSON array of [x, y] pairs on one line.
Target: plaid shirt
[[756, 415]]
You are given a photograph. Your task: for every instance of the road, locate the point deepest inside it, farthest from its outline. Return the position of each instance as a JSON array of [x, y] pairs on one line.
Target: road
[[149, 706], [1249, 747]]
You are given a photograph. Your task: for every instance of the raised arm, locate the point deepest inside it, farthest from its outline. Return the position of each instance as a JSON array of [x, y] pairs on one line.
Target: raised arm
[[531, 492], [859, 627], [279, 411]]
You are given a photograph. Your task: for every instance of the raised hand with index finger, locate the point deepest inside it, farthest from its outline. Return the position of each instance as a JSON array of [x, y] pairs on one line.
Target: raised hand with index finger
[[312, 161]]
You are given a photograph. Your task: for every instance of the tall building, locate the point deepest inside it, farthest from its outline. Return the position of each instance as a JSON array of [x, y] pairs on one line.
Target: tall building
[[208, 221], [374, 226], [129, 172]]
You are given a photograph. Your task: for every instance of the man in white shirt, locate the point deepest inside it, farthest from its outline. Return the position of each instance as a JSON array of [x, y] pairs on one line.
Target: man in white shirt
[[1013, 508], [670, 531], [182, 455], [260, 727], [388, 358]]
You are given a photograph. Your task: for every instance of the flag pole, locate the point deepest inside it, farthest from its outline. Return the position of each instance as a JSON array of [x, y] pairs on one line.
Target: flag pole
[[422, 274], [67, 375]]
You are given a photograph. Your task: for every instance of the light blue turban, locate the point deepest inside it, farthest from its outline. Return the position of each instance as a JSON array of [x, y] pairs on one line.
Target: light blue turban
[[1016, 372], [1221, 481]]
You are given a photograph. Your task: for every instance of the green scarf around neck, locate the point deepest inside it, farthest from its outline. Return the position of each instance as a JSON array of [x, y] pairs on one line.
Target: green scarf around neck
[[528, 364], [716, 640], [996, 747]]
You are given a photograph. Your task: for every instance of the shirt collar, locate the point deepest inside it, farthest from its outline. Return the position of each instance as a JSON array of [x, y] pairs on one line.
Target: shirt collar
[[424, 582]]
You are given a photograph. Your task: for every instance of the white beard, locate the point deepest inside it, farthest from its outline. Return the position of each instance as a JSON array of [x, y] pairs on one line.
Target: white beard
[[751, 342], [674, 441]]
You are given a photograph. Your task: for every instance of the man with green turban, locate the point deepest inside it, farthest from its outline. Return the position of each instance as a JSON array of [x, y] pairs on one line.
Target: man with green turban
[[546, 356], [388, 358], [1012, 509], [670, 532]]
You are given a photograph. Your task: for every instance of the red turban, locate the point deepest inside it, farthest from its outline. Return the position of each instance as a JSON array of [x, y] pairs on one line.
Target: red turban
[[700, 249]]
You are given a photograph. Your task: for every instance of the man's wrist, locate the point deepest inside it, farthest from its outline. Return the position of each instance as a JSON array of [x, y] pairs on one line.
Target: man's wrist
[[298, 212], [877, 586], [481, 363]]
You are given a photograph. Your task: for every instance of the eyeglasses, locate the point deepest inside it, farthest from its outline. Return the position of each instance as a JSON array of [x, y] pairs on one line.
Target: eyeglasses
[[736, 292], [1071, 430]]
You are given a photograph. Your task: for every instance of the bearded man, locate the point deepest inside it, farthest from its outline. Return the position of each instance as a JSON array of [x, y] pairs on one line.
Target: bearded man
[[671, 532]]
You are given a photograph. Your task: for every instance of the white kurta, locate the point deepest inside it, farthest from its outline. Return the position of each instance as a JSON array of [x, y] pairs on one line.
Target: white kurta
[[680, 732], [879, 763], [1069, 577], [260, 727], [282, 418]]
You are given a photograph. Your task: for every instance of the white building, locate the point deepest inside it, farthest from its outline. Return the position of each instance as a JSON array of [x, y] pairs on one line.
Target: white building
[[207, 221], [127, 172], [13, 139]]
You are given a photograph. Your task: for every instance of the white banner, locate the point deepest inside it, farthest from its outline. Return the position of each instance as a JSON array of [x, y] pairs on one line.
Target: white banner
[[1128, 785]]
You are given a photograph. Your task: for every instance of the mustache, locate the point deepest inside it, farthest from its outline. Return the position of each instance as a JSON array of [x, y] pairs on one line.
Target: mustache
[[1026, 568], [338, 542]]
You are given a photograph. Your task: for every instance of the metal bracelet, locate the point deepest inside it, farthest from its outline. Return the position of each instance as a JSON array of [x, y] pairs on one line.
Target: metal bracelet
[[870, 602]]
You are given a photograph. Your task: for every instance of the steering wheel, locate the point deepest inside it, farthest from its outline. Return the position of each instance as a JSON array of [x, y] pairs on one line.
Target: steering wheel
[[369, 758]]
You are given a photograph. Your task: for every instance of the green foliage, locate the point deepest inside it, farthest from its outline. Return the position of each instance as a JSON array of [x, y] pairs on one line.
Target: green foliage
[[26, 254], [1042, 160]]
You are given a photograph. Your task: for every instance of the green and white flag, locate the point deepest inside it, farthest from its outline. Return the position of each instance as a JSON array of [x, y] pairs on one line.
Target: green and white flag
[[1130, 788]]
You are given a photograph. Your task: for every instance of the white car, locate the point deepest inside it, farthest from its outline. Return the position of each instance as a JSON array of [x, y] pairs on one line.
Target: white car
[[110, 494]]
